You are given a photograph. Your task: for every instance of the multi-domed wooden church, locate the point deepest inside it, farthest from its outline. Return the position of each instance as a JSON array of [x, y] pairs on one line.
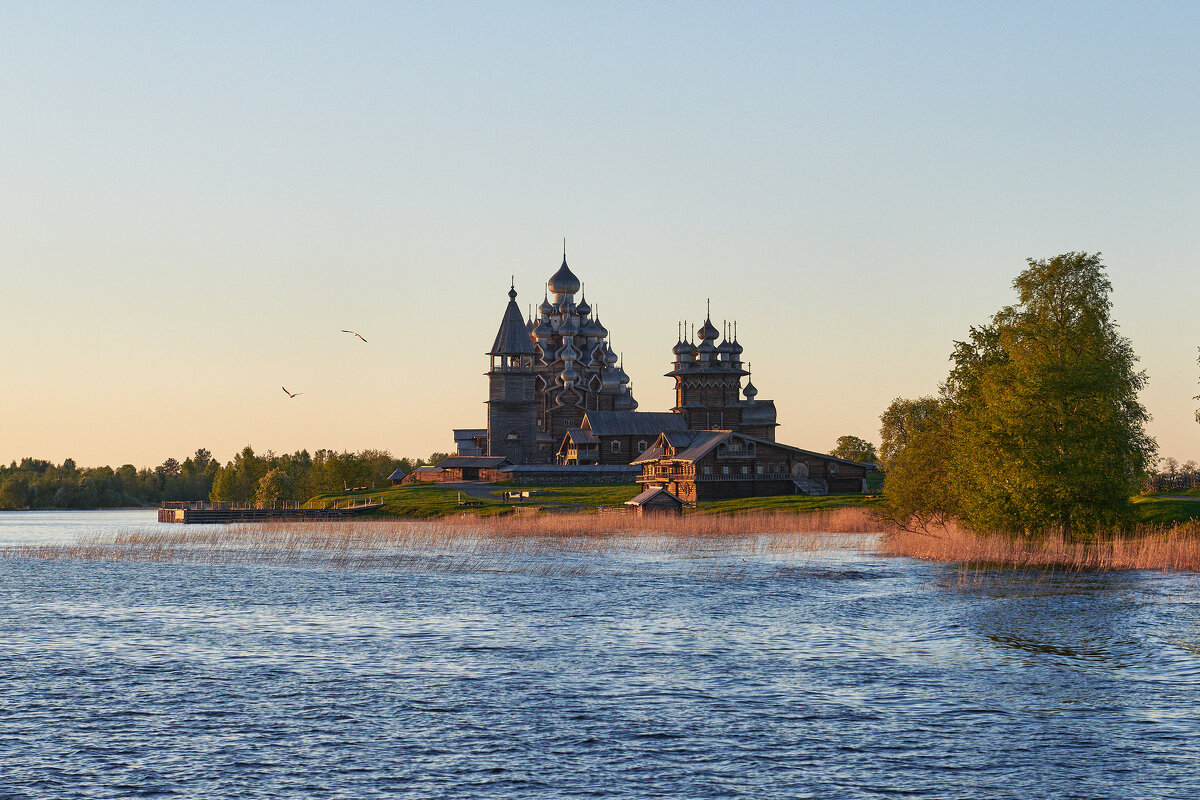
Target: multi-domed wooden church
[[557, 395]]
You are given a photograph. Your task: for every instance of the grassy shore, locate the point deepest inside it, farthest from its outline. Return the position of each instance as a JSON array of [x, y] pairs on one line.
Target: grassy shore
[[424, 500]]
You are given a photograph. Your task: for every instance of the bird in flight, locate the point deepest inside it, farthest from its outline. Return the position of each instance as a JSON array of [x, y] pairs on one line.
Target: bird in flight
[[356, 333], [290, 394]]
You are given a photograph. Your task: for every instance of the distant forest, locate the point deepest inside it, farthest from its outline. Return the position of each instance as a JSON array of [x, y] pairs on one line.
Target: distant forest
[[36, 483]]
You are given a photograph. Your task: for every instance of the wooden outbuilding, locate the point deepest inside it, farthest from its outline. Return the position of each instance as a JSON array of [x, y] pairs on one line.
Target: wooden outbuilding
[[656, 500]]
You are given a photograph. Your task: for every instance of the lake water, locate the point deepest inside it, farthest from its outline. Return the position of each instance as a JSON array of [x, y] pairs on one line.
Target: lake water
[[833, 674]]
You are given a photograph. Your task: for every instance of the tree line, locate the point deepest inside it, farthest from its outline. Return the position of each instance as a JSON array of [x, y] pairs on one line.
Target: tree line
[[35, 483]]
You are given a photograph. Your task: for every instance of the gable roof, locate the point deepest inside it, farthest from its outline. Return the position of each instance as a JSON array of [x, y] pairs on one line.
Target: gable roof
[[580, 436], [480, 462], [652, 493], [633, 423], [398, 475], [694, 445], [679, 441]]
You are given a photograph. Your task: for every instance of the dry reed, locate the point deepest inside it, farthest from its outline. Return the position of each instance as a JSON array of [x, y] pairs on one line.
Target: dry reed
[[465, 544], [1175, 548], [521, 543]]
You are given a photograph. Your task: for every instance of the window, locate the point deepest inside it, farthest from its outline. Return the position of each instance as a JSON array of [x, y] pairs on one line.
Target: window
[[708, 470], [745, 469], [512, 437], [758, 469], [725, 470], [642, 445], [615, 446]]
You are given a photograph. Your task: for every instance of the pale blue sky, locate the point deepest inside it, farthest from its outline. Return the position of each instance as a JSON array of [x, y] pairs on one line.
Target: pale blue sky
[[196, 197]]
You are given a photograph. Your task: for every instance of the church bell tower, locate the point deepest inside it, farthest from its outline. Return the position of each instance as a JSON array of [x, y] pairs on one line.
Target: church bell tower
[[512, 405]]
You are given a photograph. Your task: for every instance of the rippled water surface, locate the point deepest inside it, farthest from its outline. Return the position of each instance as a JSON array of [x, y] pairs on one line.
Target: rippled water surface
[[835, 674]]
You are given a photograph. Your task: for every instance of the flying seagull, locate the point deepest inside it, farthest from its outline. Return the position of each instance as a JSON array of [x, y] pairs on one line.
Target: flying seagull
[[356, 333], [290, 394]]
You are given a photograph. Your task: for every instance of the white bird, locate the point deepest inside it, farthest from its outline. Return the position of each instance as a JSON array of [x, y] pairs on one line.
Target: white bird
[[356, 333], [290, 394]]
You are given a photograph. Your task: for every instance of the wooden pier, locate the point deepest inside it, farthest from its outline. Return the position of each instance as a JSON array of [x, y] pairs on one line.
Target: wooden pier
[[187, 512]]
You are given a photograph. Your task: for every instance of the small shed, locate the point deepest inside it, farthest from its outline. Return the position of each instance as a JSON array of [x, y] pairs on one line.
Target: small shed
[[656, 500], [397, 477]]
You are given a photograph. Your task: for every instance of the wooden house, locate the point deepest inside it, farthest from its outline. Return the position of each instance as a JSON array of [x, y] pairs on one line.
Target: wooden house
[[616, 437], [720, 465]]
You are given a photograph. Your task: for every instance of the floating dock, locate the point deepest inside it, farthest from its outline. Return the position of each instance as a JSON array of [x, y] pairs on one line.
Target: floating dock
[[222, 513]]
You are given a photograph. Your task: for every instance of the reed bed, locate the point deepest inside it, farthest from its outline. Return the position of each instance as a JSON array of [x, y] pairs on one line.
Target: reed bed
[[1162, 548], [569, 543], [498, 544]]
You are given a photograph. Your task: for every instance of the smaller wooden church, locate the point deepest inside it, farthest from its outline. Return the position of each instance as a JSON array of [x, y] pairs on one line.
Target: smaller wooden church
[[722, 465]]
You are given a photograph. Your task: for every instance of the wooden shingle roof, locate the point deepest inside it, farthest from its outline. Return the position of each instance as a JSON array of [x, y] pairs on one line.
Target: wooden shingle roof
[[633, 423]]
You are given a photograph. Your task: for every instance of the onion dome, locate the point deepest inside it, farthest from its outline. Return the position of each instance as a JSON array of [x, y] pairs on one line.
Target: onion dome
[[708, 331], [583, 308], [750, 392], [545, 307], [570, 326], [725, 348], [564, 281], [592, 328], [569, 375], [542, 330], [610, 357], [682, 348], [706, 348], [568, 352]]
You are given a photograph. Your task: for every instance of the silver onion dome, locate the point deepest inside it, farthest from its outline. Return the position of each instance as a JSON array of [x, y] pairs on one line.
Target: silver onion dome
[[564, 281]]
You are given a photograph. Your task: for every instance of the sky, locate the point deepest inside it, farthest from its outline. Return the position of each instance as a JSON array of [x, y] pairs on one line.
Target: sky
[[195, 198]]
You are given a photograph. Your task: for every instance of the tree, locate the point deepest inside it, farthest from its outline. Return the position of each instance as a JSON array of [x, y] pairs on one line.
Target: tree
[[1048, 431], [276, 486], [14, 492], [902, 421], [918, 487], [852, 448]]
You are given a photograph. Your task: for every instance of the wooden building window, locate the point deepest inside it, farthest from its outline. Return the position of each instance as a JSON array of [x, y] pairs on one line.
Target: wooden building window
[[615, 446], [642, 445]]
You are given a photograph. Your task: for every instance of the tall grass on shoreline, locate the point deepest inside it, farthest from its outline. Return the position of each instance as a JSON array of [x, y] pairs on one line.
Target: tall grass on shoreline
[[525, 543], [1151, 547], [488, 544]]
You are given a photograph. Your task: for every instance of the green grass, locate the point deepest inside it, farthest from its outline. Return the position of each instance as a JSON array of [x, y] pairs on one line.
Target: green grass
[[420, 500], [788, 503], [436, 500], [589, 496], [1154, 510]]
